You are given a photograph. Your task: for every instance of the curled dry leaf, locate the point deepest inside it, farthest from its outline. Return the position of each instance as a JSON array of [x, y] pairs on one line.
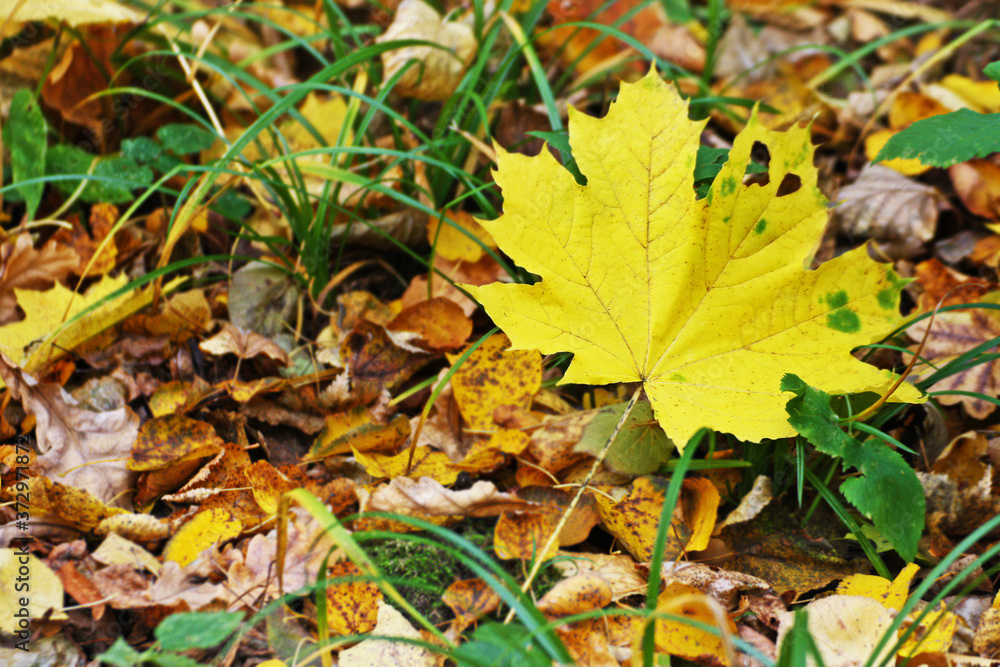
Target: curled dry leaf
[[78, 448], [244, 344], [619, 570], [438, 71], [494, 376]]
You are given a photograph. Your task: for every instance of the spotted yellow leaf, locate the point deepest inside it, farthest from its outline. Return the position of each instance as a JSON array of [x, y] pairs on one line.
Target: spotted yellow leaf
[[707, 302]]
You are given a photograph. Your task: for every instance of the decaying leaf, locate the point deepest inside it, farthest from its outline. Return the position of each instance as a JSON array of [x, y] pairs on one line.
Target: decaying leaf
[[884, 205], [427, 497], [846, 629], [704, 301], [79, 448], [437, 71]]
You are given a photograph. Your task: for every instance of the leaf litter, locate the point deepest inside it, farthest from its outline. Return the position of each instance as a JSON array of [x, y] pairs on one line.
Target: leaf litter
[[156, 431]]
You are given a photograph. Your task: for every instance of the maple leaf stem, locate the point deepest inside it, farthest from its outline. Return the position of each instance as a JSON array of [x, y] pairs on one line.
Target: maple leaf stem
[[576, 499], [909, 367]]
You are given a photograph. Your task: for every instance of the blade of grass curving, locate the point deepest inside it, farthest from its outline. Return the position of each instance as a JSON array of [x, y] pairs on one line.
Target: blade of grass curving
[[670, 499], [973, 539], [537, 72], [881, 435], [857, 55]]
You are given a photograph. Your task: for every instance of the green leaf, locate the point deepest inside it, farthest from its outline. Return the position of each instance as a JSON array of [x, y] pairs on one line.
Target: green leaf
[[121, 174], [641, 446], [888, 491], [141, 149], [24, 134], [121, 655], [185, 138], [810, 414], [946, 140], [993, 71], [174, 660], [181, 632], [126, 175], [496, 645]]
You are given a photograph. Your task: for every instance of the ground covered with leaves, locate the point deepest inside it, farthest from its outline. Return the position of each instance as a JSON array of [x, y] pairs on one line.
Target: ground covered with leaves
[[515, 333]]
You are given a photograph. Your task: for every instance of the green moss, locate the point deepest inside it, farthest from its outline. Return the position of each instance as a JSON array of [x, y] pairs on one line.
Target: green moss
[[422, 571]]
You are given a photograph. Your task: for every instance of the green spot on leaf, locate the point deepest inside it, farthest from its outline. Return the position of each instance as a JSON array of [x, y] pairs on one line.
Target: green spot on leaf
[[844, 319], [677, 377], [760, 226], [837, 299], [728, 186]]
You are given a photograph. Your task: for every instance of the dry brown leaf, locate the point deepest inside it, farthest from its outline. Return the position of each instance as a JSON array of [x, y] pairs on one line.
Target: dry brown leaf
[[23, 267], [953, 333], [890, 208], [78, 448], [427, 497], [977, 183], [244, 344]]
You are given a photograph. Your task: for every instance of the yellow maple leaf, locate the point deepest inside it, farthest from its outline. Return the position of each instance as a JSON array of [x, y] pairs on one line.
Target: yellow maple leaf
[[707, 302]]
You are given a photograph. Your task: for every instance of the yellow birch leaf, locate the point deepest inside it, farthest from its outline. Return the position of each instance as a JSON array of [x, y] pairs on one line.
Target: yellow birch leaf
[[891, 594], [206, 528], [493, 376], [707, 302]]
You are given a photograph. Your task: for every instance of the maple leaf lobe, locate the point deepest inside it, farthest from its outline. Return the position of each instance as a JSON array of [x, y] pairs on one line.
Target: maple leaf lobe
[[707, 302]]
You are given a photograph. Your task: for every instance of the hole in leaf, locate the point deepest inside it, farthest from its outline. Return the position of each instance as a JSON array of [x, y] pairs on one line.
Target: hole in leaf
[[760, 154], [756, 173], [789, 184]]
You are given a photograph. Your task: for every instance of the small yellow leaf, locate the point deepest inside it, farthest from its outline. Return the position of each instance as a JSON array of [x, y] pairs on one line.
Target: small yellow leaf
[[206, 528], [454, 244], [679, 638], [633, 517], [706, 301], [427, 462], [892, 595], [522, 535], [352, 604], [44, 335]]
